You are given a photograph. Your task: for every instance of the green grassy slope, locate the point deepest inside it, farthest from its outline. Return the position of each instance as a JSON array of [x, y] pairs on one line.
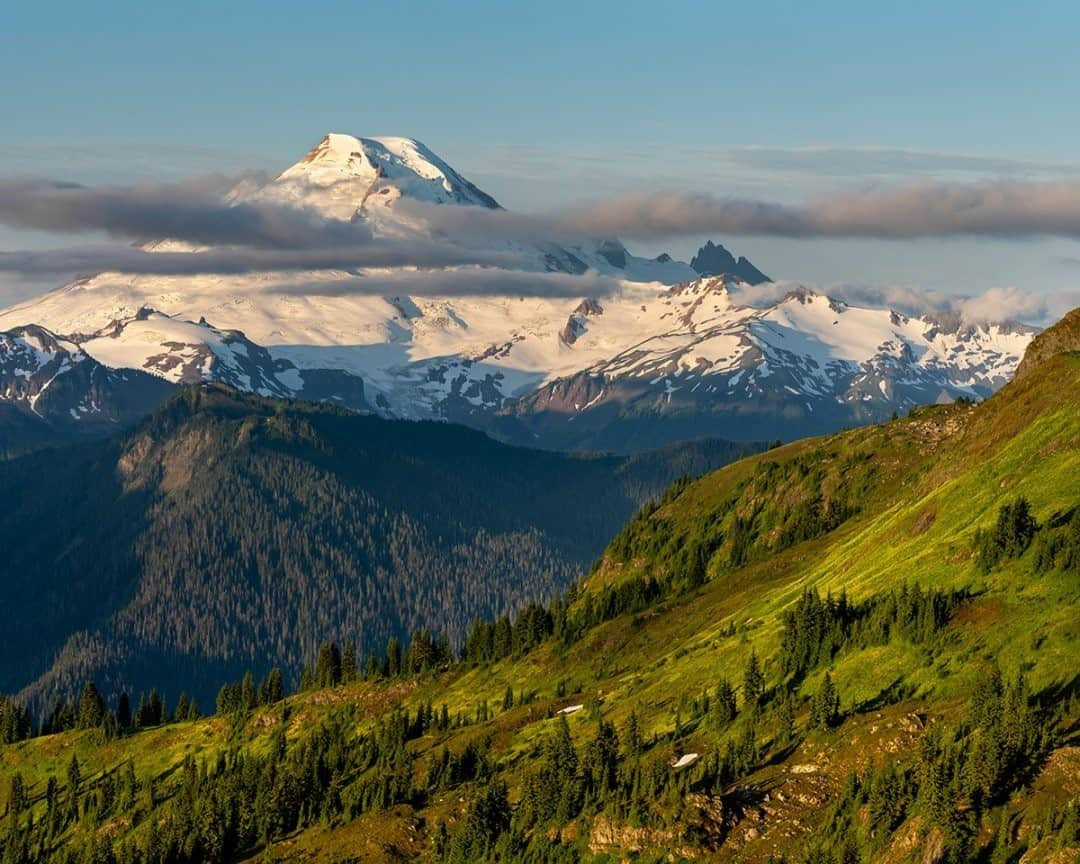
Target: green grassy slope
[[862, 513]]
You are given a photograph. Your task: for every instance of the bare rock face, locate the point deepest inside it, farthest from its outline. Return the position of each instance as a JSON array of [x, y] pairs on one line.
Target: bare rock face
[[703, 815], [613, 252], [934, 847], [707, 816], [571, 331], [715, 260], [607, 835], [589, 306], [576, 323]]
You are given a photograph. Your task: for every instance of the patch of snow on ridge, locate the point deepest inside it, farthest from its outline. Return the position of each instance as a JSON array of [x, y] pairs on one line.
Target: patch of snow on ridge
[[159, 344]]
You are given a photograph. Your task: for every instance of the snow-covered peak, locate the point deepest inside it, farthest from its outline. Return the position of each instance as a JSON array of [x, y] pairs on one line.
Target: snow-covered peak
[[719, 286], [33, 347], [717, 289], [344, 176], [700, 302], [59, 389], [31, 358]]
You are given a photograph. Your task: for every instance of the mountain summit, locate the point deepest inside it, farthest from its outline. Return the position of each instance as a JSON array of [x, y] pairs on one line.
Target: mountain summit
[[344, 175]]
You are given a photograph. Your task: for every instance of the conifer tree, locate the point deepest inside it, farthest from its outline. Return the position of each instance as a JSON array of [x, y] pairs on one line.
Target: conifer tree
[[825, 707], [15, 723], [348, 663], [561, 755], [421, 651], [393, 657], [74, 776], [722, 708], [91, 707], [502, 639], [753, 682], [275, 687], [16, 796], [328, 665], [247, 692], [487, 818]]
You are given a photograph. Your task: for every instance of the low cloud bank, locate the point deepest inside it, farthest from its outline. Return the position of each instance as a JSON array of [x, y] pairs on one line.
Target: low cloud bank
[[494, 251], [457, 283], [196, 212], [1003, 209], [193, 211], [233, 261]]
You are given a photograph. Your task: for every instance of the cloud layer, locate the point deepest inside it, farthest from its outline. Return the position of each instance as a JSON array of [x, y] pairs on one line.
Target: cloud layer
[[265, 237], [232, 261], [1003, 209], [193, 212], [469, 281]]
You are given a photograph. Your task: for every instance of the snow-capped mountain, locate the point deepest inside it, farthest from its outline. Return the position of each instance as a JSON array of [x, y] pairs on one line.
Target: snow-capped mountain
[[804, 365], [376, 183], [51, 389], [667, 355], [344, 176], [184, 352]]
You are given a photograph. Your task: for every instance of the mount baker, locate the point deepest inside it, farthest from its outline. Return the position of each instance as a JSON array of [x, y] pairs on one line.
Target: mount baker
[[668, 354]]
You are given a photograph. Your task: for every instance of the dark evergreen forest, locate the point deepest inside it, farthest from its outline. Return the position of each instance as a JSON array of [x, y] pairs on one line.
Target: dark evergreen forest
[[230, 532]]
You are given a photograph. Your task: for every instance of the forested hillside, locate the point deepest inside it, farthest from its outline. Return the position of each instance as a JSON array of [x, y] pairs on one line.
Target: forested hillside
[[231, 532], [858, 648]]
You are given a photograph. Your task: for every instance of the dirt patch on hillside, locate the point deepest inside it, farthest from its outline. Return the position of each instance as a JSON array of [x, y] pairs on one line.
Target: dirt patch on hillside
[[927, 516], [980, 613]]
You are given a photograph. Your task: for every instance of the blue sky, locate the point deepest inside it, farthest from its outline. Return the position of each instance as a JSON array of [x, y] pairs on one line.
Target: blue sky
[[543, 104]]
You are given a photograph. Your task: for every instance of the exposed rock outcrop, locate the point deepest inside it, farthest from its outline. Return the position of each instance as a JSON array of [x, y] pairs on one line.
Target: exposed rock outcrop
[[715, 260]]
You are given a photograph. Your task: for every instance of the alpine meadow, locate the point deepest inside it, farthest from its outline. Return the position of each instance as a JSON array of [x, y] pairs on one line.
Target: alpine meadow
[[670, 455]]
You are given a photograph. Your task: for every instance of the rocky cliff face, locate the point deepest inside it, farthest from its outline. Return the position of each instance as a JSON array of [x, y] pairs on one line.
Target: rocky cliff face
[[714, 260]]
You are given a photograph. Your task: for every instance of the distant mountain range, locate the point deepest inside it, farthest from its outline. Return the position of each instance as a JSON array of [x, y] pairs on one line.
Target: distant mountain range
[[670, 355]]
